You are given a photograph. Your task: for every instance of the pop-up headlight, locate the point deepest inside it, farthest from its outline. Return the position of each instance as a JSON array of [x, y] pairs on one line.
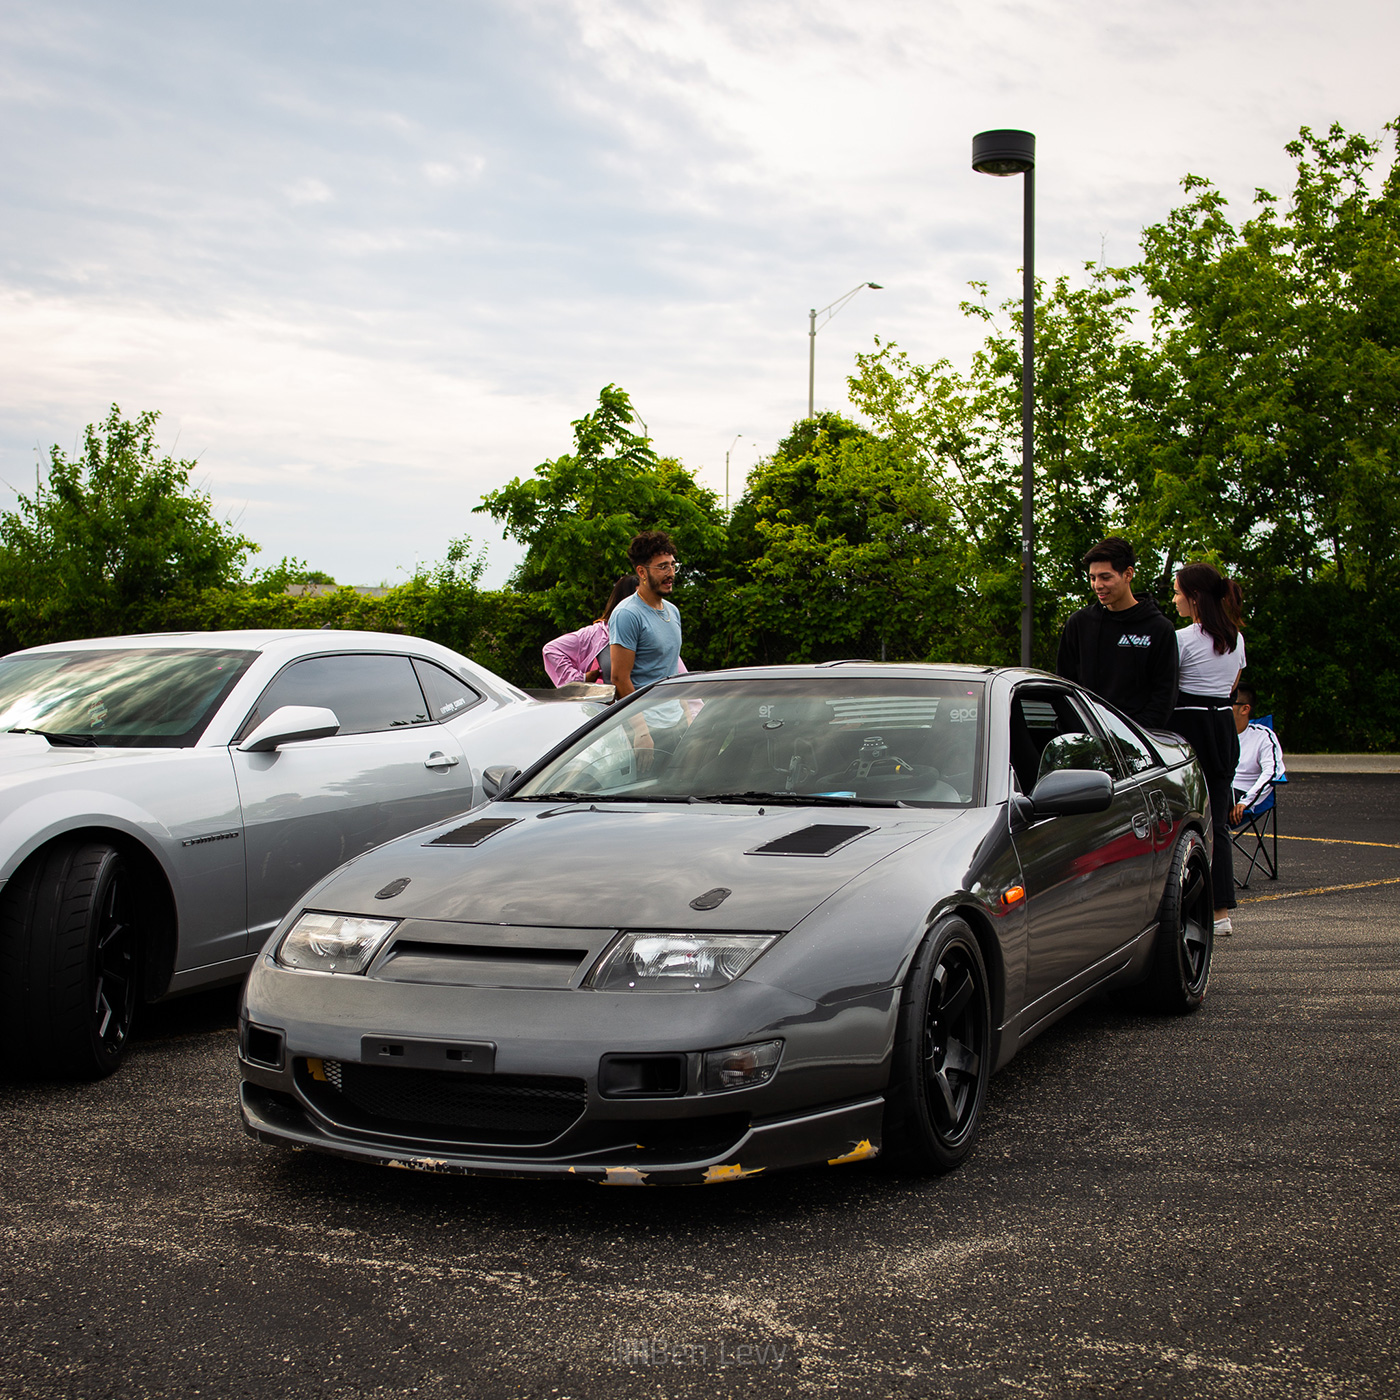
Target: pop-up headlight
[[333, 943], [677, 962]]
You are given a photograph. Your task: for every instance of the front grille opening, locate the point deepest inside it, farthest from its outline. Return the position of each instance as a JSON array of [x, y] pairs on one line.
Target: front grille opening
[[566, 958], [642, 1076], [262, 1046], [515, 1110]]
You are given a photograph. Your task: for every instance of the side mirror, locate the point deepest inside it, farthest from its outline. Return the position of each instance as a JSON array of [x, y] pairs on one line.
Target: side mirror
[[495, 780], [1068, 792], [290, 724]]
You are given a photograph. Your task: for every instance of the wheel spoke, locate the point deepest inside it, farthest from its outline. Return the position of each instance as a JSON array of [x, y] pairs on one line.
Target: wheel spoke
[[954, 999], [961, 1059], [103, 1011], [1194, 889]]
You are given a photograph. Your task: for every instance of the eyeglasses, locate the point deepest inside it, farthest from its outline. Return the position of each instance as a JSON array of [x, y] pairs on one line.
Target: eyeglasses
[[671, 568], [1240, 705]]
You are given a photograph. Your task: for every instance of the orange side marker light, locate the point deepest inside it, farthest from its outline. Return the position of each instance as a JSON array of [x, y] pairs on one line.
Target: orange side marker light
[[1014, 895]]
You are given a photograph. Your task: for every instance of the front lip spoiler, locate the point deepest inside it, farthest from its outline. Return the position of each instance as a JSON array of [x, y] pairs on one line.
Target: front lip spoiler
[[848, 1133]]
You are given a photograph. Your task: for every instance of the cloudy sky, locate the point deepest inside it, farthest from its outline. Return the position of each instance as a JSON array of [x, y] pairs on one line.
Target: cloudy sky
[[370, 259]]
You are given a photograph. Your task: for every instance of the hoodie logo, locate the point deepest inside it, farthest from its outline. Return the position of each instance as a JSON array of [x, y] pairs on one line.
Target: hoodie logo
[[1134, 639]]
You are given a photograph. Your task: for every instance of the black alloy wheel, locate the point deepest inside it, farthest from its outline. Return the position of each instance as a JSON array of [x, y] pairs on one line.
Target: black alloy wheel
[[942, 1056], [1180, 971], [112, 946], [70, 951]]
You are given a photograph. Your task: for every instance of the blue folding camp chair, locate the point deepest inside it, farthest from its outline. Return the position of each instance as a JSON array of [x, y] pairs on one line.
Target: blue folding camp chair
[[1256, 837]]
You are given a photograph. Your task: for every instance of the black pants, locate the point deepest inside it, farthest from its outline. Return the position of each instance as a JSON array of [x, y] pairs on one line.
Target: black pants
[[1207, 722]]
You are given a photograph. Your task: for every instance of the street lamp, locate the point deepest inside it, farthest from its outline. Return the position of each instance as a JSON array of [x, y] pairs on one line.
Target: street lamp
[[813, 328], [1013, 153], [727, 451]]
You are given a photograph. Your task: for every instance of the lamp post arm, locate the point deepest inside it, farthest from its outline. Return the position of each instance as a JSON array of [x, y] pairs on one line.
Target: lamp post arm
[[812, 328]]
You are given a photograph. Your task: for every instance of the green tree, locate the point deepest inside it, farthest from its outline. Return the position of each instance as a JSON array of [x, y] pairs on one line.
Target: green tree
[[112, 539], [843, 548], [965, 432], [1270, 433], [578, 512]]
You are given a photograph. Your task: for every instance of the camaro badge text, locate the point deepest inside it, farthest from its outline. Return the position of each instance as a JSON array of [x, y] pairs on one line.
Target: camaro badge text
[[205, 840]]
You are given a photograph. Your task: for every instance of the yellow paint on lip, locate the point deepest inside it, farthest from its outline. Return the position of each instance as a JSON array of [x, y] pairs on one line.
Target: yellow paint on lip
[[858, 1153], [729, 1173], [318, 1070]]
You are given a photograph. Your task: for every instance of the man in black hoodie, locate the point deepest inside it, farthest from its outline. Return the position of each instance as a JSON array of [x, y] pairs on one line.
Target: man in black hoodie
[[1121, 647]]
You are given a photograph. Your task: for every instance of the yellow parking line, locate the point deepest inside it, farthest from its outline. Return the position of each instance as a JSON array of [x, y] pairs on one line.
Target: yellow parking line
[[1337, 841], [1321, 889]]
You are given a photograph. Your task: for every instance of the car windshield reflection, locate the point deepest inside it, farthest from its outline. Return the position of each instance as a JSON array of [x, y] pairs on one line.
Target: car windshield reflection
[[834, 741], [137, 697]]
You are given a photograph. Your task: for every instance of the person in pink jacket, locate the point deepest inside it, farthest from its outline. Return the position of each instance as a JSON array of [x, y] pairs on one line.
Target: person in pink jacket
[[583, 655]]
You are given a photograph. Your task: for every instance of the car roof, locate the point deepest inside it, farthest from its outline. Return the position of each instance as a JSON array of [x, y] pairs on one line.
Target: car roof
[[264, 639], [886, 670]]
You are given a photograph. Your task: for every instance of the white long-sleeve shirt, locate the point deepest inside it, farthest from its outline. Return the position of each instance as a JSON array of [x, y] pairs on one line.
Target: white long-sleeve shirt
[[1261, 762]]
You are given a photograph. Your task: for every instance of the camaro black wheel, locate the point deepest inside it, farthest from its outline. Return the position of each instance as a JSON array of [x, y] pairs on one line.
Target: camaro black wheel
[[69, 959], [942, 1053], [1185, 932]]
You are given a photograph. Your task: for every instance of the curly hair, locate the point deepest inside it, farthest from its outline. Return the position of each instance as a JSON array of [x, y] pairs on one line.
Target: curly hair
[[646, 546]]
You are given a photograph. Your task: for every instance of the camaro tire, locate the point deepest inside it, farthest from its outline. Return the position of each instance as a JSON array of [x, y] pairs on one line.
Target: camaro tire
[[1185, 932], [69, 959], [942, 1053]]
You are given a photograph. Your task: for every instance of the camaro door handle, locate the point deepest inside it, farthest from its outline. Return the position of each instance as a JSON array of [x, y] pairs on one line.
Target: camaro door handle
[[1142, 828], [440, 760]]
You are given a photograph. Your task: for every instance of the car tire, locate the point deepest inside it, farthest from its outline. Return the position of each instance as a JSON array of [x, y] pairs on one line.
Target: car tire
[[942, 1054], [1180, 973], [69, 961]]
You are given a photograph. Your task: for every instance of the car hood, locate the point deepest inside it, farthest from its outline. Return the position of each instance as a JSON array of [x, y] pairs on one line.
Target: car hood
[[24, 753], [621, 866]]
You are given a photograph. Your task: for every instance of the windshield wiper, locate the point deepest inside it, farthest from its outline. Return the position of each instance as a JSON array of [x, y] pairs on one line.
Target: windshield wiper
[[71, 741], [803, 799], [600, 797]]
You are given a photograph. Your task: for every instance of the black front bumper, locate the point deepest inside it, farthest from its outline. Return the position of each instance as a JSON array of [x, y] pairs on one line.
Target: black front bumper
[[836, 1135]]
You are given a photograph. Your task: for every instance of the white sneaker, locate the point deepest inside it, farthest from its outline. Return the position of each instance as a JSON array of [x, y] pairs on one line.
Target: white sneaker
[[1223, 928]]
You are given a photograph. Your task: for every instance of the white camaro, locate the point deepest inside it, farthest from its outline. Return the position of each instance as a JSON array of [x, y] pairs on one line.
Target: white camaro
[[165, 799]]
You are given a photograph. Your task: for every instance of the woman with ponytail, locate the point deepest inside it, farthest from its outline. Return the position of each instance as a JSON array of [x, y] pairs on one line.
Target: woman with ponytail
[[1211, 655]]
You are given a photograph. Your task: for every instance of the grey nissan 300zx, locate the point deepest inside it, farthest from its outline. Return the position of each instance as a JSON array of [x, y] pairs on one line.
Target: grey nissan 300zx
[[742, 921]]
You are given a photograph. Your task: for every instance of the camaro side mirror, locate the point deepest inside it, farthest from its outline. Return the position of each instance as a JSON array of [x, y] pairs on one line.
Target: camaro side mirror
[[1069, 791], [289, 724], [495, 780]]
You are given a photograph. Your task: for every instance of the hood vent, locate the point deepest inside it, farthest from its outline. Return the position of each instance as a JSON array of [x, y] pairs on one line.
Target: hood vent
[[818, 840], [474, 833]]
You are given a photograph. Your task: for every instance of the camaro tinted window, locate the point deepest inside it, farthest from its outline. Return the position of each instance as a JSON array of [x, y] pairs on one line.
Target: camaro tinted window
[[137, 697], [367, 693], [448, 695], [910, 740]]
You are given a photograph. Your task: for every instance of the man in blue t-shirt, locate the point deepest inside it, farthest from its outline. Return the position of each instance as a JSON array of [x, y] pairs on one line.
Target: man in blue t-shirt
[[644, 631]]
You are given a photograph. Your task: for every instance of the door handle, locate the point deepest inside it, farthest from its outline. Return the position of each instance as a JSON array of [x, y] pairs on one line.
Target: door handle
[[440, 760], [1142, 828]]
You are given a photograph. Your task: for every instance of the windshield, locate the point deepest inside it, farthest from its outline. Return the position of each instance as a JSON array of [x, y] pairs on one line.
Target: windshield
[[829, 739], [146, 697]]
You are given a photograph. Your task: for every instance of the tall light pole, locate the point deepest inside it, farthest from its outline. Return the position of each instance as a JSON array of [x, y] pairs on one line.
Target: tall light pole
[[1013, 153], [727, 451], [813, 328]]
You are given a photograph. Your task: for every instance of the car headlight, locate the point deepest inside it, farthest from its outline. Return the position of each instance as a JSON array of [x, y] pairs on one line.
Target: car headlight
[[333, 942], [677, 962], [741, 1066]]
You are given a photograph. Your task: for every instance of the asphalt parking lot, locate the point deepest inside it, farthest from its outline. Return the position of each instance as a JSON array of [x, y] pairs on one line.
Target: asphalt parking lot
[[1203, 1207]]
